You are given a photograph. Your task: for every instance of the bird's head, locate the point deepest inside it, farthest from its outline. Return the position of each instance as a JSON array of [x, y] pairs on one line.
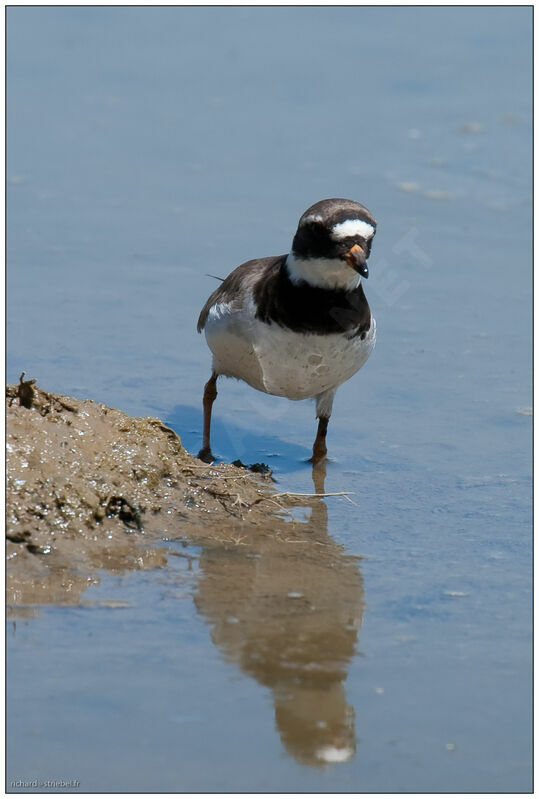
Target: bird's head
[[332, 244]]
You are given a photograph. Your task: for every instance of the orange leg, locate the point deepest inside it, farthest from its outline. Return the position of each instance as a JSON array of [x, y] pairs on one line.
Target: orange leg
[[210, 393], [319, 446]]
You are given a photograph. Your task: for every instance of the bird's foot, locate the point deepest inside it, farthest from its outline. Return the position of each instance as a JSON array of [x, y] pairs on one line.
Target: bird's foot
[[206, 455], [319, 454]]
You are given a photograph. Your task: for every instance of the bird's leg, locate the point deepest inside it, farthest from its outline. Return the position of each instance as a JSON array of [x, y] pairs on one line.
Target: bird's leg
[[324, 404], [319, 447], [210, 393]]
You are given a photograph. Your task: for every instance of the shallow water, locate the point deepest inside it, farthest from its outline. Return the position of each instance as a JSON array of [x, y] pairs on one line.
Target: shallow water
[[149, 147]]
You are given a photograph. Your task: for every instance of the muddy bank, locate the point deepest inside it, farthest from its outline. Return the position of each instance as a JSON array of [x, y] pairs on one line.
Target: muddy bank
[[91, 488]]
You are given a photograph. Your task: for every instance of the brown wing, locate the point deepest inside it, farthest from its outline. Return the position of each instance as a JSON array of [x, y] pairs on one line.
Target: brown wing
[[233, 288]]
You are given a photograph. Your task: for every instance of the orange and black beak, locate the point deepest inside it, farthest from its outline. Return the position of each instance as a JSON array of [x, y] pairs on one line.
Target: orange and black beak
[[357, 259]]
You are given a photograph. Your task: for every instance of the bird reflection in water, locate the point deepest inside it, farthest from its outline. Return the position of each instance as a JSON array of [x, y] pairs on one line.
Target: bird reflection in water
[[286, 607]]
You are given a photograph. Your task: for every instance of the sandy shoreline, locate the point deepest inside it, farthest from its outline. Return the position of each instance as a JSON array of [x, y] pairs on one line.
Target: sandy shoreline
[[89, 488]]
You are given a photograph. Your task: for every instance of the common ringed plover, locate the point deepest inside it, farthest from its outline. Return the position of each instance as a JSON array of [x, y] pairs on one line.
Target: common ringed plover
[[296, 325]]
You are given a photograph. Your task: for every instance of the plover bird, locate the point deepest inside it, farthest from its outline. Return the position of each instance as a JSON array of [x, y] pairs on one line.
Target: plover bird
[[296, 325]]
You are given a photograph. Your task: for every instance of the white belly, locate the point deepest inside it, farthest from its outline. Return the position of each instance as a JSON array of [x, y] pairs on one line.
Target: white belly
[[280, 361]]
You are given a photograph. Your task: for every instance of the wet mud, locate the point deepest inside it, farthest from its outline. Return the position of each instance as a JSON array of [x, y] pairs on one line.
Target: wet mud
[[91, 488]]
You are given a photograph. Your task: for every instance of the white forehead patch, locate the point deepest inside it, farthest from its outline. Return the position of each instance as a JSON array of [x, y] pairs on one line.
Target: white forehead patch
[[352, 227]]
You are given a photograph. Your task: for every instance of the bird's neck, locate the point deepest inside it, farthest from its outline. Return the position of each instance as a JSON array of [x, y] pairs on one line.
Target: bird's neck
[[333, 274]]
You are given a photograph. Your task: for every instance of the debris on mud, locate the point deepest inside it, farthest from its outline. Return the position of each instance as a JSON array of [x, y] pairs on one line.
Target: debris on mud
[[256, 468]]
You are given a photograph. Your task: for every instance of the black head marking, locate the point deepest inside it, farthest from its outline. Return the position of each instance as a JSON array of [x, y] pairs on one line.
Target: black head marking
[[314, 237]]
